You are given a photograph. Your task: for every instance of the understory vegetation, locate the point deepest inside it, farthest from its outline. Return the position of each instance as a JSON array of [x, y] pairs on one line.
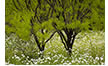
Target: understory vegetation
[[88, 49]]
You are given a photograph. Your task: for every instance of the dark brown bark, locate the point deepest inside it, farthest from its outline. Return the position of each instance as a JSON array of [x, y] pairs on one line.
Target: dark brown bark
[[41, 48]]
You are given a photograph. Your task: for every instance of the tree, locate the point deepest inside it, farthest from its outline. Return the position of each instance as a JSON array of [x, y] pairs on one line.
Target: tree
[[26, 18], [41, 18], [76, 16]]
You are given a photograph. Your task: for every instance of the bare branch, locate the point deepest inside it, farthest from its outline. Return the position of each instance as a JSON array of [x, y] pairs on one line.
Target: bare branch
[[50, 37]]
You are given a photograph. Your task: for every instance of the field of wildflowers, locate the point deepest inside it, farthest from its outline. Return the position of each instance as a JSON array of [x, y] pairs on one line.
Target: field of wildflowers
[[88, 49]]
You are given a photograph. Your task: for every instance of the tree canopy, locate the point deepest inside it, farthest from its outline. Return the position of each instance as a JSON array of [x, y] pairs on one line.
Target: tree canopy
[[43, 18]]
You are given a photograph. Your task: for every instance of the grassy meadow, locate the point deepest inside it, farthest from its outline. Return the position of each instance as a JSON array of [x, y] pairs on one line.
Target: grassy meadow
[[88, 49]]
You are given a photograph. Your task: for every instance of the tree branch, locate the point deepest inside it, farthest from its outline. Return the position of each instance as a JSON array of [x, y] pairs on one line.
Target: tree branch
[[37, 41], [73, 38], [59, 32], [50, 37], [51, 5], [19, 3], [63, 42], [48, 12], [88, 11], [61, 35], [15, 5], [35, 37], [26, 2]]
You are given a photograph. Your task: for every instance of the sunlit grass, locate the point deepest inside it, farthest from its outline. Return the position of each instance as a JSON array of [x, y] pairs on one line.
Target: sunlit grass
[[88, 49]]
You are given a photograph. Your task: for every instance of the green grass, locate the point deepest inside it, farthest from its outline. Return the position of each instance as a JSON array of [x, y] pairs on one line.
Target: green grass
[[88, 49]]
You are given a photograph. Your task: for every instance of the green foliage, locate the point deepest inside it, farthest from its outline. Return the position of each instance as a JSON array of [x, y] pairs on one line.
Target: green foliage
[[40, 18], [47, 25], [20, 23], [78, 14]]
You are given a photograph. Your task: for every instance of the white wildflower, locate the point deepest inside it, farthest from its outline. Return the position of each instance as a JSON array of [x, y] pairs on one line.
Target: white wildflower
[[32, 59], [101, 58], [55, 56], [82, 61], [67, 61], [54, 51], [55, 61], [79, 61], [49, 53], [41, 62], [27, 63], [17, 57], [22, 55], [90, 56], [79, 58], [49, 58], [102, 63], [65, 57], [12, 57], [35, 62], [39, 59], [97, 58], [60, 55], [94, 62], [45, 60], [72, 61], [64, 63]]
